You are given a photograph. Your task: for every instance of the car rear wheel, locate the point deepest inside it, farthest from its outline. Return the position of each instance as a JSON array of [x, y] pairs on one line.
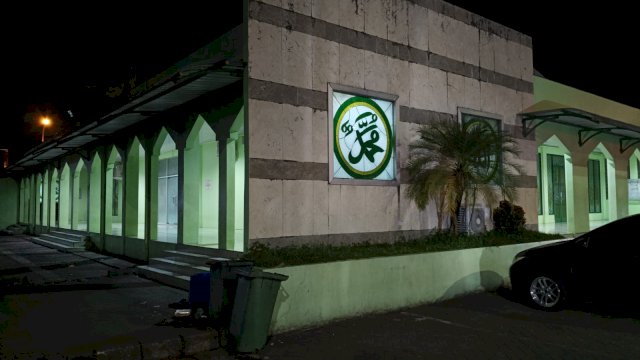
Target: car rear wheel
[[546, 292]]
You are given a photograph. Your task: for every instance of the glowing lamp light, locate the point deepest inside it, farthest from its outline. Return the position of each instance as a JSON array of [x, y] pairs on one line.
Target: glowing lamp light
[[44, 122]]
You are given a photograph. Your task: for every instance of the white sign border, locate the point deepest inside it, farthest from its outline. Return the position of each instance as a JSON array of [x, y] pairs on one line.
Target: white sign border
[[371, 94]]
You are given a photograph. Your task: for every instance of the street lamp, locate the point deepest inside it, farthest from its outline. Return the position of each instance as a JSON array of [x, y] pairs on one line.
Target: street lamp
[[44, 122]]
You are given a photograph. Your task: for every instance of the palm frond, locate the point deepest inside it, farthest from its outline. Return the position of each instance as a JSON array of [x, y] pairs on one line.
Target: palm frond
[[448, 165]]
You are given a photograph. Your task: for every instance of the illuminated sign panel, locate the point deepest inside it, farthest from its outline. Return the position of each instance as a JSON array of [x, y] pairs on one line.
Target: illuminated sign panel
[[363, 137]]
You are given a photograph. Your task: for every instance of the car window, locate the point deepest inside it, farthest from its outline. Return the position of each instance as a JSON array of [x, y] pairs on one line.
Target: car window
[[615, 237]]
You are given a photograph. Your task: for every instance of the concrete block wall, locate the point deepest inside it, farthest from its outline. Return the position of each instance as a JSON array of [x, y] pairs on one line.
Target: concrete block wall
[[434, 56]]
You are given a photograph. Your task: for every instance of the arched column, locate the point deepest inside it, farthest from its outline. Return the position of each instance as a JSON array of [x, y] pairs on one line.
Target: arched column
[[96, 185], [634, 182], [54, 204], [201, 186], [46, 200], [135, 182]]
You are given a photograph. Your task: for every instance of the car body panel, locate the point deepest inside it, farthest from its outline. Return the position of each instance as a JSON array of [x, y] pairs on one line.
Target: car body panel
[[601, 265]]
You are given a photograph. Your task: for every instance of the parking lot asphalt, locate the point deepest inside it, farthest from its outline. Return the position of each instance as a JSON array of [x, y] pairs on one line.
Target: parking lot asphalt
[[475, 326], [79, 305], [484, 325]]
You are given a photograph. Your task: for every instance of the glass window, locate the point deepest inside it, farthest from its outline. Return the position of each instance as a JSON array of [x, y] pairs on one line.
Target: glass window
[[491, 162], [172, 166], [593, 174], [162, 168], [604, 239], [557, 194]]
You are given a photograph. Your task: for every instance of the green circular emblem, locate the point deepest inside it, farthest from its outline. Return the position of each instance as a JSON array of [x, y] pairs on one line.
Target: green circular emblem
[[363, 138]]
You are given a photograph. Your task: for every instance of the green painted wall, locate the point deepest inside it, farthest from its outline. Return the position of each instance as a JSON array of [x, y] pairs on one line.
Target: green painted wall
[[24, 200], [209, 186], [201, 187], [231, 193], [192, 194], [96, 186], [240, 196], [65, 198], [39, 199], [134, 179], [634, 205], [55, 198], [9, 200], [141, 192], [153, 194], [46, 198], [318, 293]]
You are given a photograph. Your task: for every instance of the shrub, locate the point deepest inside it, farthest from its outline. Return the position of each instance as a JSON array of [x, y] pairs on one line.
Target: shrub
[[264, 256], [89, 245], [508, 218]]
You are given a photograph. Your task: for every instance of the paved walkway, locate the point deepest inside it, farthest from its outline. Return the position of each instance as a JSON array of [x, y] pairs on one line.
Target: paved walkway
[[79, 304]]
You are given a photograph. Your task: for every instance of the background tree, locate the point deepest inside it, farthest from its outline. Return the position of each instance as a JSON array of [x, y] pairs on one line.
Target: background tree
[[452, 163]]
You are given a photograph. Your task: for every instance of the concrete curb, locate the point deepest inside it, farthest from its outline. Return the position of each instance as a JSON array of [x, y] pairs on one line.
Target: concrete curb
[[173, 348]]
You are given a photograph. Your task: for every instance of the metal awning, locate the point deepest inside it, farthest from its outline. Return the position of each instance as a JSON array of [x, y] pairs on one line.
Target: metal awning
[[588, 124], [210, 68]]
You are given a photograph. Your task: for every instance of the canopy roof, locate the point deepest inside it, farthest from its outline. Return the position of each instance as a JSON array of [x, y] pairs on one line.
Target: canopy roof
[[589, 114], [213, 67]]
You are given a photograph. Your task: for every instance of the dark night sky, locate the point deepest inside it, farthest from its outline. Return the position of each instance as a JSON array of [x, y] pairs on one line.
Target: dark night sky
[[55, 60], [59, 59], [586, 45]]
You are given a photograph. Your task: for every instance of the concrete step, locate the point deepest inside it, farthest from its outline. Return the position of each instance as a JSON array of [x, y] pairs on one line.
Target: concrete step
[[210, 252], [177, 266], [68, 235], [165, 277], [190, 257], [49, 244], [62, 240], [175, 269]]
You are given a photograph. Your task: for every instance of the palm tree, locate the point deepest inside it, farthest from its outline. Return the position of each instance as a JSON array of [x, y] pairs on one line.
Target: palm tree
[[453, 162]]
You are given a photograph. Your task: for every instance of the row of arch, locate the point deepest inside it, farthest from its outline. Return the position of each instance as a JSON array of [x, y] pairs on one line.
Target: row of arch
[[166, 189], [579, 191]]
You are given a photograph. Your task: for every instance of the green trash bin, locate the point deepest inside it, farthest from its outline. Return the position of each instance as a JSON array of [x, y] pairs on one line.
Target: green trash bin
[[223, 284], [253, 306]]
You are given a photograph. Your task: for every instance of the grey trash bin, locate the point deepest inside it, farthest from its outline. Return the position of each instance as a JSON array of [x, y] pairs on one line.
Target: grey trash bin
[[223, 284], [253, 306]]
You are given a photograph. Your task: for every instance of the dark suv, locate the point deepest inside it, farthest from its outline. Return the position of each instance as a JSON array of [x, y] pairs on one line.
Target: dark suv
[[602, 265]]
